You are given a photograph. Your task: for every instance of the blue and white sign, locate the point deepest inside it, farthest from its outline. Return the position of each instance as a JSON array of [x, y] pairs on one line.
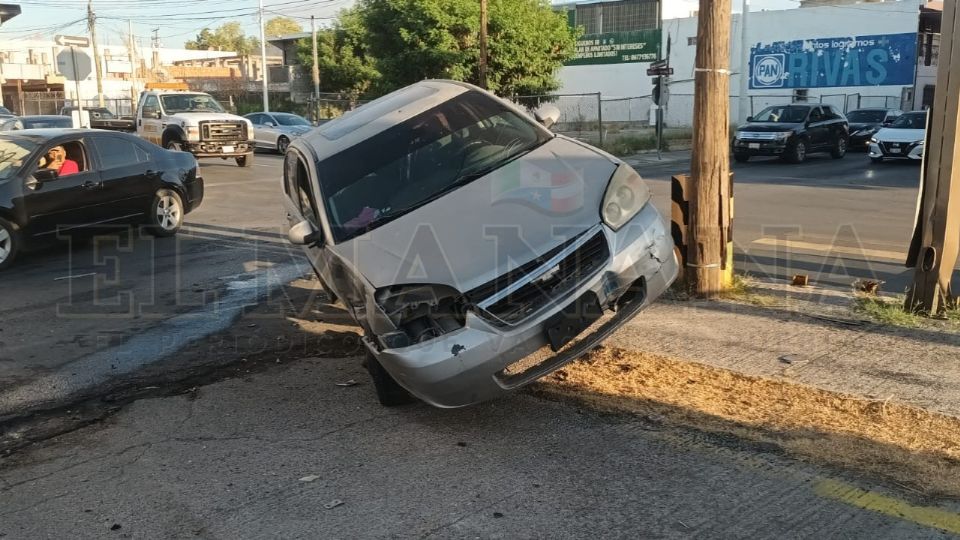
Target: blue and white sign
[[884, 60]]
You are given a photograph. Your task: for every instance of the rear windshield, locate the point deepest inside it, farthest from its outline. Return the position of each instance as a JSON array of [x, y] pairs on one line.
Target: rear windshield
[[46, 122], [412, 163], [911, 121], [786, 114]]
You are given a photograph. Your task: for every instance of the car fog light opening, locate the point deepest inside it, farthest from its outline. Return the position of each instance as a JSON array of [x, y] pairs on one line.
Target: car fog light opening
[[626, 194]]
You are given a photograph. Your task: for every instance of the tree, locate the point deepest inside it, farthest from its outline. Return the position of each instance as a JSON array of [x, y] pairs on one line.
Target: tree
[[227, 37], [411, 40], [282, 26]]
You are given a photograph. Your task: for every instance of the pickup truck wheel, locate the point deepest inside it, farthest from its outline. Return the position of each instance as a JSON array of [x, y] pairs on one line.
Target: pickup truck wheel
[[389, 393], [166, 213], [839, 148], [245, 160], [175, 145], [9, 243], [282, 144]]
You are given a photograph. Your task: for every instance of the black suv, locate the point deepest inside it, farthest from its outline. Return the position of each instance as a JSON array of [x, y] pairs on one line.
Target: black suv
[[791, 132]]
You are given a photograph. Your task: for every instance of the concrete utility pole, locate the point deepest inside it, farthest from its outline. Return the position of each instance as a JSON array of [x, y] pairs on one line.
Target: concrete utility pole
[[263, 60], [92, 25], [744, 102], [710, 161], [316, 70], [133, 69], [936, 239], [483, 44]]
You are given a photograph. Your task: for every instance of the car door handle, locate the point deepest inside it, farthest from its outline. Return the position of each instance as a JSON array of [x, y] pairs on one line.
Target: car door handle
[[90, 184]]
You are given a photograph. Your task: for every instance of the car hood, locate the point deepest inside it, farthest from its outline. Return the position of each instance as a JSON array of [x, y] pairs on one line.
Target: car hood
[[764, 127], [900, 135], [197, 117], [863, 125], [490, 226]]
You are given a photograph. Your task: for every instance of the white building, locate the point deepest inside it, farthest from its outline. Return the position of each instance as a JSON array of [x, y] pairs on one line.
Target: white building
[[848, 55]]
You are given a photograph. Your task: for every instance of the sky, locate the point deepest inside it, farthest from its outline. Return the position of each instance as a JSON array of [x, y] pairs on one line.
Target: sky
[[177, 21]]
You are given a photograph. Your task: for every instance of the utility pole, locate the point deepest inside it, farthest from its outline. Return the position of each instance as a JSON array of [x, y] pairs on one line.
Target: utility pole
[[936, 238], [316, 70], [483, 44], [155, 53], [744, 102], [133, 69], [92, 25], [710, 160], [263, 60]]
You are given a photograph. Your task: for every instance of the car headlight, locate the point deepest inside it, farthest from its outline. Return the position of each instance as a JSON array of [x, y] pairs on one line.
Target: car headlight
[[874, 140], [626, 194], [920, 142], [783, 135], [193, 132]]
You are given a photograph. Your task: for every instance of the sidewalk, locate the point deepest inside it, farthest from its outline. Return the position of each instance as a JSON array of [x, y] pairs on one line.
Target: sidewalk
[[650, 158]]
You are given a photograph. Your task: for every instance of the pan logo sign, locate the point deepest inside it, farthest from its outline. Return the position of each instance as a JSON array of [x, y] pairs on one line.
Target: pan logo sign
[[879, 60], [768, 70]]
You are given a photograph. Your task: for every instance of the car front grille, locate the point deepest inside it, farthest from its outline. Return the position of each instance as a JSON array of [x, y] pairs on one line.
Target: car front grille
[[757, 136], [223, 131], [522, 292]]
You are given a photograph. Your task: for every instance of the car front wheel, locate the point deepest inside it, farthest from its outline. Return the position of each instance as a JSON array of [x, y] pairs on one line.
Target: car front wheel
[[166, 213], [174, 145], [389, 393], [876, 159], [245, 160], [839, 148], [282, 144], [741, 158], [9, 243], [797, 152]]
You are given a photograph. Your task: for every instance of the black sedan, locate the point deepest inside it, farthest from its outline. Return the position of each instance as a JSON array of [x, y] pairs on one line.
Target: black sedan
[[791, 132], [59, 180], [865, 123]]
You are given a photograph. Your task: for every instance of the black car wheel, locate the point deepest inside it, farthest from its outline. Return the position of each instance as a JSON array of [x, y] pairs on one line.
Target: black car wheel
[[741, 158], [174, 145], [282, 144], [389, 393], [9, 243], [245, 160], [839, 148], [796, 152], [166, 213]]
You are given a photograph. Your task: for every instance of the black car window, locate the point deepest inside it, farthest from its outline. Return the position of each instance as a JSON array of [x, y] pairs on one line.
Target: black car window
[[257, 119], [911, 121], [115, 152], [867, 116], [297, 186], [787, 114], [816, 114], [831, 114]]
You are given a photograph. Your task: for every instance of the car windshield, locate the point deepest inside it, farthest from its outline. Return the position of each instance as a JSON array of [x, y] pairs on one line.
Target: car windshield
[[181, 103], [911, 121], [785, 114], [13, 153], [291, 120], [867, 117], [46, 122], [417, 161]]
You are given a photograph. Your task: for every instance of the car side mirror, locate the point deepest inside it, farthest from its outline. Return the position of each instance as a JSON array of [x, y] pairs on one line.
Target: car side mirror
[[304, 234], [547, 115], [749, 119], [45, 175], [269, 124]]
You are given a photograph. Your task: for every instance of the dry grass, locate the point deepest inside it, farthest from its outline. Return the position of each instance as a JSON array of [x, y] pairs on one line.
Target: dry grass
[[907, 445]]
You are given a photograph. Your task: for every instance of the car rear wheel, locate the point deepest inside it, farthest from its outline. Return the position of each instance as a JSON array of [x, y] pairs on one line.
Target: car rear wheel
[[797, 152], [282, 144], [741, 158], [839, 148], [9, 243], [166, 213], [245, 160], [389, 393]]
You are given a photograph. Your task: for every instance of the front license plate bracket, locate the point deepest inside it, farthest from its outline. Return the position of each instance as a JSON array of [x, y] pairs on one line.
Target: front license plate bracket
[[572, 320]]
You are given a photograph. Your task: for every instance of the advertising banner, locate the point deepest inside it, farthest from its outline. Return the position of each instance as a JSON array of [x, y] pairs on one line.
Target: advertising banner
[[617, 48], [881, 60]]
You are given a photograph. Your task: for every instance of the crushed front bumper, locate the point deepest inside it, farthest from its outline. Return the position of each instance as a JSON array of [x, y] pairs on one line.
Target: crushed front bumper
[[475, 363]]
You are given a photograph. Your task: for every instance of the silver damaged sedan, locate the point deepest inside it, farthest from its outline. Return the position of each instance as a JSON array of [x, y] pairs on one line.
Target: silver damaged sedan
[[477, 250]]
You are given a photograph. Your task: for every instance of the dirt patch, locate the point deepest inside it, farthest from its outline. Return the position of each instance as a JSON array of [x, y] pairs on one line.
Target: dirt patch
[[914, 448]]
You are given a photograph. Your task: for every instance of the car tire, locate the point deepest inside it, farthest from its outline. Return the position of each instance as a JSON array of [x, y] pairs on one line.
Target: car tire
[[741, 158], [839, 148], [245, 160], [175, 145], [389, 393], [282, 144], [796, 152], [877, 160], [166, 213], [9, 244]]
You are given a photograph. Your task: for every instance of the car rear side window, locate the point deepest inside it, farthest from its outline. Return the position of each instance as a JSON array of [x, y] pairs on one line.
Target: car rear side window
[[115, 152]]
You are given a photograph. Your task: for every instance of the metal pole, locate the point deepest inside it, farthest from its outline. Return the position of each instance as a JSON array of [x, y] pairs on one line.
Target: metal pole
[[91, 22], [76, 80], [263, 60], [744, 64], [600, 115], [133, 70], [315, 70]]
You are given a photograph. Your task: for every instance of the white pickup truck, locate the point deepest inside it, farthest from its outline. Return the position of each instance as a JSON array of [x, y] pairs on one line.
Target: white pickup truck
[[178, 119]]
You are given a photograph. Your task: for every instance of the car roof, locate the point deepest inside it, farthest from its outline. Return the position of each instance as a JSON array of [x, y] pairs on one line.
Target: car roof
[[42, 117], [44, 134], [380, 115]]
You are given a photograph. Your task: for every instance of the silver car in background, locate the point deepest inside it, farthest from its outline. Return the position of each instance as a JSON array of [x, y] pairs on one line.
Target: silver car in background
[[477, 250], [275, 130]]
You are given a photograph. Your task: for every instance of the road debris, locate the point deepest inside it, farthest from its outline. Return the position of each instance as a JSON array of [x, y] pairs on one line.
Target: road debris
[[351, 382], [310, 478], [801, 280], [333, 504]]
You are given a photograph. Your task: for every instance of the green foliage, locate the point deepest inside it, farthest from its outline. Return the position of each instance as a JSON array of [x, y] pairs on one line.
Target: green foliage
[[227, 37], [382, 45], [281, 26]]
